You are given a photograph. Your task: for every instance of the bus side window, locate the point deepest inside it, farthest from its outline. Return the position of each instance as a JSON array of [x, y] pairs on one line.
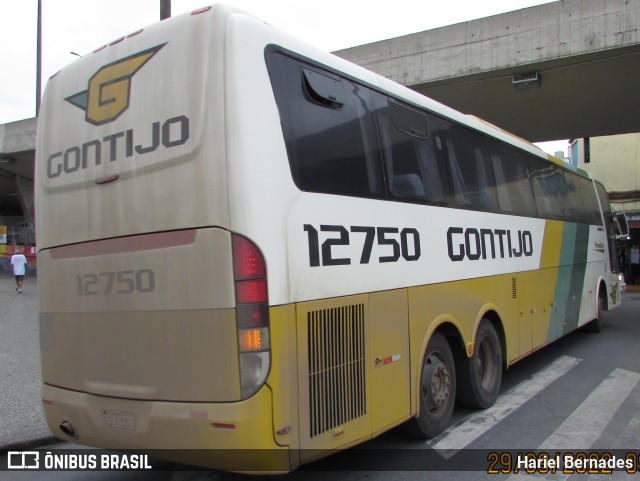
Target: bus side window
[[512, 181], [434, 166], [471, 173], [329, 129], [571, 199], [588, 210], [404, 174], [409, 120], [547, 181], [411, 159]]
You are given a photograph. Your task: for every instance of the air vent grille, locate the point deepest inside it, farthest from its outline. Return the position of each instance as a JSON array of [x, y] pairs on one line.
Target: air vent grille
[[514, 288], [336, 367]]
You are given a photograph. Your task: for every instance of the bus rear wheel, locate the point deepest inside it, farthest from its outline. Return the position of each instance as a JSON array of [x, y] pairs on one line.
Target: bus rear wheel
[[480, 376], [437, 390]]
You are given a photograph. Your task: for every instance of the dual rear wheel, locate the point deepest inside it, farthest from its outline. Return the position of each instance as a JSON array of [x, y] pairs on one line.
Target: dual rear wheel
[[474, 381], [480, 376]]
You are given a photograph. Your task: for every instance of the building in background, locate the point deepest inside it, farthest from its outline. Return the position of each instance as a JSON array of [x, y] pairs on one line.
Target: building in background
[[615, 160]]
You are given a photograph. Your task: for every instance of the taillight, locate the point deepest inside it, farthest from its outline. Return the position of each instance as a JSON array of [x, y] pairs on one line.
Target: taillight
[[252, 315]]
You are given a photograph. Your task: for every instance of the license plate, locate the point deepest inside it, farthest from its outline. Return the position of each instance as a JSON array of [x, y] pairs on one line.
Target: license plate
[[118, 419]]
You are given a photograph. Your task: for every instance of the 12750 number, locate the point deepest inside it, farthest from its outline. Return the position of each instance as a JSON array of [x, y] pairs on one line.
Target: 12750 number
[[118, 282], [403, 243]]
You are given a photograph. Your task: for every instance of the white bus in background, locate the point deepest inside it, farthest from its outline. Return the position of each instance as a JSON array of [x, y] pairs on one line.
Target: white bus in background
[[253, 253]]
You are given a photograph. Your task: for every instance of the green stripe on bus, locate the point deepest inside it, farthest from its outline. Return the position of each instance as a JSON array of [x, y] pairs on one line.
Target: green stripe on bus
[[567, 298]]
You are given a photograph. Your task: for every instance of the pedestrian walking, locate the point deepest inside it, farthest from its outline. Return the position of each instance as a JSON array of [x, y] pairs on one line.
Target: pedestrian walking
[[19, 263]]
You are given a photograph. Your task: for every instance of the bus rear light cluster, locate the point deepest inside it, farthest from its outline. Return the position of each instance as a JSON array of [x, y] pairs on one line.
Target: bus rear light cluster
[[252, 314]]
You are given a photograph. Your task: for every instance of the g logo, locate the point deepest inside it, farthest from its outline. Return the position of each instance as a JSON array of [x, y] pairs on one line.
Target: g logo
[[110, 88]]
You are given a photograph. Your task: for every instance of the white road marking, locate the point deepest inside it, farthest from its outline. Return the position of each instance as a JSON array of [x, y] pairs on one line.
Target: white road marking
[[464, 433], [589, 420], [587, 423]]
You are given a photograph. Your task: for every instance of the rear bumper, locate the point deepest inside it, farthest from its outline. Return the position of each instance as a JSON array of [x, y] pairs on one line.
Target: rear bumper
[[234, 436]]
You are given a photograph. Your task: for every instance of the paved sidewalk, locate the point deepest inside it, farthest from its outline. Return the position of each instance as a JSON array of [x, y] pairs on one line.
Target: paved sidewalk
[[21, 419]]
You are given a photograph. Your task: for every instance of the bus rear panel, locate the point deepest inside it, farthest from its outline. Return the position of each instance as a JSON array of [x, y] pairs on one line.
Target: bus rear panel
[[154, 315]]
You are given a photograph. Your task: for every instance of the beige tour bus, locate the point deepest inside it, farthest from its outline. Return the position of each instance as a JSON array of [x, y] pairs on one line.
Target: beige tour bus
[[253, 253]]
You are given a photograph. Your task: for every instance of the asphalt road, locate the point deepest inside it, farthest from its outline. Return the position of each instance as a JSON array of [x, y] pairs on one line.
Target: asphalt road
[[21, 419]]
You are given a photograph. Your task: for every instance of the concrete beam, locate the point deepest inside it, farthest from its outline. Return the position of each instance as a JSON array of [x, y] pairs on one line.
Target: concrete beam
[[561, 29], [20, 136], [588, 53]]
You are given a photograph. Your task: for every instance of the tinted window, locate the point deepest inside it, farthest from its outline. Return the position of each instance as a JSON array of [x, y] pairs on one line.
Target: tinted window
[[409, 119], [343, 138], [572, 203], [515, 194], [590, 208], [548, 184], [471, 173], [329, 129], [413, 157], [579, 200]]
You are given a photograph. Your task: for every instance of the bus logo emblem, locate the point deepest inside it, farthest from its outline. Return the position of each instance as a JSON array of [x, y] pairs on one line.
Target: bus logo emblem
[[109, 88]]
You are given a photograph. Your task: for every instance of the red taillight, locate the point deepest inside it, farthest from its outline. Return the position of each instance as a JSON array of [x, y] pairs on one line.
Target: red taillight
[[252, 308], [248, 262], [252, 315], [251, 291]]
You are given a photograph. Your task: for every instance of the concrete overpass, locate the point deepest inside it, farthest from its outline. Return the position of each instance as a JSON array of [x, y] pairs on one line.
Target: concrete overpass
[[586, 54], [17, 155]]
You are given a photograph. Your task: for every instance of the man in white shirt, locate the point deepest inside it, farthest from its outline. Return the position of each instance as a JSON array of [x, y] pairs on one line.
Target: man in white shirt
[[19, 263]]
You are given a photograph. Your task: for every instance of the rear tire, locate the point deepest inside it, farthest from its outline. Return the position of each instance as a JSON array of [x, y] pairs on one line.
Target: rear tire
[[437, 390], [480, 376]]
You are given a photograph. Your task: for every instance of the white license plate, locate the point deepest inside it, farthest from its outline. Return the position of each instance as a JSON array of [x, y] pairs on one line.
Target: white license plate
[[118, 419]]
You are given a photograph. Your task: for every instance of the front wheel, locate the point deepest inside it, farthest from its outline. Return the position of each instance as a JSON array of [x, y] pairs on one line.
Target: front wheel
[[437, 390], [596, 324], [480, 376]]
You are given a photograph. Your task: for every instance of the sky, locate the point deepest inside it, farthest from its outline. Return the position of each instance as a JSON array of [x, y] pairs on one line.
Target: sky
[[80, 26]]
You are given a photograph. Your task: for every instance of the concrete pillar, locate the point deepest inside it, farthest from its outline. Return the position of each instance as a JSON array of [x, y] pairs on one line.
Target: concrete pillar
[[26, 197]]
